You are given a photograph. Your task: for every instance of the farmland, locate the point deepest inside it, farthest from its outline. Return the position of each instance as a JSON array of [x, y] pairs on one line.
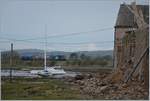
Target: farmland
[[33, 89]]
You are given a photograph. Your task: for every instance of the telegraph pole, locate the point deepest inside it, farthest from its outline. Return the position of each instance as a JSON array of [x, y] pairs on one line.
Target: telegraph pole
[[0, 59], [0, 65], [11, 62], [45, 56]]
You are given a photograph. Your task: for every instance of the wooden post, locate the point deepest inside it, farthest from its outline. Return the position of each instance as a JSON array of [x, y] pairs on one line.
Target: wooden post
[[136, 65], [11, 62], [0, 60]]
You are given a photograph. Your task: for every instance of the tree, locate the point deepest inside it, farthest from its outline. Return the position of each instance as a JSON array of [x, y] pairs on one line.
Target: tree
[[82, 56], [73, 56], [6, 58], [107, 57]]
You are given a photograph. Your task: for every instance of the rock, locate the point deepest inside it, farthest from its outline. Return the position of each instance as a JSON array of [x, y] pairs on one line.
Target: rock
[[103, 88], [79, 77], [81, 82], [102, 84], [97, 91], [103, 76], [72, 83], [124, 85], [81, 87], [70, 80], [88, 76], [98, 83], [114, 88]]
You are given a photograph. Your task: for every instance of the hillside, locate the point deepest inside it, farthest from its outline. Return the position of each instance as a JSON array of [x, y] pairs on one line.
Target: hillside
[[31, 52]]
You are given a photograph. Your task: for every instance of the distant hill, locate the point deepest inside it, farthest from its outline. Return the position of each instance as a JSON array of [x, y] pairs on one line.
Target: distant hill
[[34, 52], [97, 53], [28, 52]]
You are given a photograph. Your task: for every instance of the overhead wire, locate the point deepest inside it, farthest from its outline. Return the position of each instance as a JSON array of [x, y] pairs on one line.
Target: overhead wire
[[65, 44], [64, 35], [71, 34], [60, 43]]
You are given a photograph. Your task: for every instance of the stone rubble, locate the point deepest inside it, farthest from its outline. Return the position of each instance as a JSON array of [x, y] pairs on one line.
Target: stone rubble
[[99, 85]]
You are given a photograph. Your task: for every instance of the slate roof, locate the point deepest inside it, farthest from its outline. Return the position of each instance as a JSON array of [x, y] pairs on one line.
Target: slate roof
[[126, 17]]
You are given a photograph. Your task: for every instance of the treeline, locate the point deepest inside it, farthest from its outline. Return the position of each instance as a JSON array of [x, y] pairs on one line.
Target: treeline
[[6, 58], [83, 60], [73, 60]]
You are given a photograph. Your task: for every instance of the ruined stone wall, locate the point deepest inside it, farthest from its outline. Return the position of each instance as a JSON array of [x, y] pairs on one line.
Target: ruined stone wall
[[118, 45], [142, 43], [133, 45]]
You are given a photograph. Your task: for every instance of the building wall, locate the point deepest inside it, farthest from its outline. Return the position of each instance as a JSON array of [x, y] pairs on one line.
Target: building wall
[[129, 49], [119, 34]]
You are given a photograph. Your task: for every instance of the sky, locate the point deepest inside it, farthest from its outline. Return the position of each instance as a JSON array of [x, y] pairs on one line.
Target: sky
[[70, 25]]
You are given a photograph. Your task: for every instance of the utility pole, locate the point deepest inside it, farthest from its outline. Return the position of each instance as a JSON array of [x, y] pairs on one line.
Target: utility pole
[[0, 60], [45, 56], [11, 62], [0, 64]]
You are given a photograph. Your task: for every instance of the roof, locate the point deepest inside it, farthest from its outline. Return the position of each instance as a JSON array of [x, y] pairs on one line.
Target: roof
[[126, 17]]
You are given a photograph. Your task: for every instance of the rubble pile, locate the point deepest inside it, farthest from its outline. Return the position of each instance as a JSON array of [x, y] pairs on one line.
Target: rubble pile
[[101, 87]]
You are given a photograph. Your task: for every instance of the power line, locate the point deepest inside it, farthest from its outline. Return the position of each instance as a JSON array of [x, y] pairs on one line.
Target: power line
[[98, 42], [63, 35], [60, 43], [71, 34], [4, 41], [9, 40], [112, 1]]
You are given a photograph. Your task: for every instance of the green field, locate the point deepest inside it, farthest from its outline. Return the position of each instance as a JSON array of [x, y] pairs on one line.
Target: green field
[[37, 89], [69, 68]]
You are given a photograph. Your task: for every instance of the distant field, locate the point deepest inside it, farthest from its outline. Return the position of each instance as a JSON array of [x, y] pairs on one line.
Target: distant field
[[37, 89], [88, 68], [69, 68]]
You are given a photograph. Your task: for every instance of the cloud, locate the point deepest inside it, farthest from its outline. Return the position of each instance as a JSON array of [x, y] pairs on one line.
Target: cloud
[[87, 47], [91, 47]]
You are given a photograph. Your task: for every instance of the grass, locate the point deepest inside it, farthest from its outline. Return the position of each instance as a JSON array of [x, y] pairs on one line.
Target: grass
[[88, 68], [37, 89]]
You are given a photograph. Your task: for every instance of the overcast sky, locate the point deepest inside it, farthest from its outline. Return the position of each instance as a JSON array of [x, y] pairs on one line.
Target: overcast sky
[[91, 21]]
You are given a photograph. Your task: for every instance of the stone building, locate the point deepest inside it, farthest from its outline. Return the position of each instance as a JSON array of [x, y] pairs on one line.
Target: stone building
[[131, 45]]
